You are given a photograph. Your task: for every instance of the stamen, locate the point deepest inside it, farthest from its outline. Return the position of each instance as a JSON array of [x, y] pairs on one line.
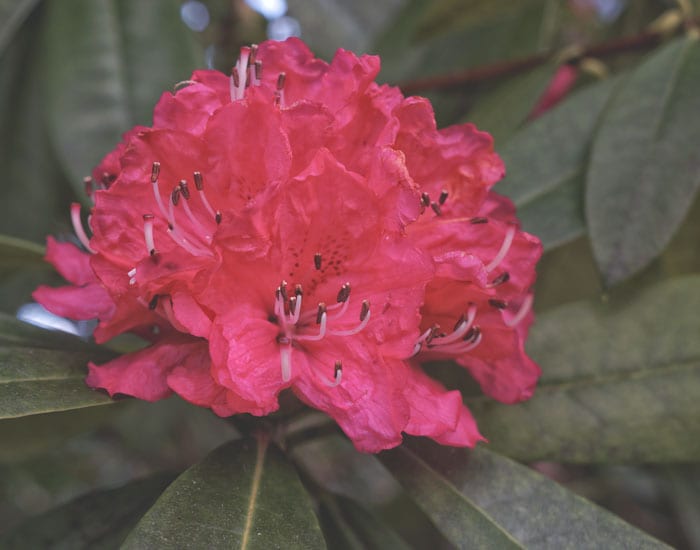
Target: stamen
[[184, 243], [436, 208], [155, 172], [258, 72], [425, 199], [507, 241], [502, 278], [78, 227], [317, 261], [148, 233], [175, 196], [461, 328], [199, 184], [320, 312], [286, 362], [283, 290], [443, 197], [337, 373], [279, 92], [89, 185], [184, 190], [365, 315], [295, 307], [322, 321], [498, 304], [298, 291], [470, 341], [153, 304], [478, 220], [522, 312], [343, 293]]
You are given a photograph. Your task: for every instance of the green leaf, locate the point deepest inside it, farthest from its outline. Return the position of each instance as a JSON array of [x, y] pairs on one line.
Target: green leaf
[[34, 381], [623, 377], [42, 371], [348, 525], [684, 493], [545, 164], [243, 495], [644, 167], [12, 15], [98, 520], [15, 251], [502, 111], [107, 62], [482, 500]]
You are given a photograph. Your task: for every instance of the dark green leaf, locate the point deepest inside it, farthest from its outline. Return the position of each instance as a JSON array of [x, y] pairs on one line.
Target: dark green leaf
[[350, 526], [107, 62], [644, 167], [623, 377], [34, 381], [243, 495], [15, 251], [545, 164], [12, 15], [18, 334], [684, 489], [482, 500], [98, 520]]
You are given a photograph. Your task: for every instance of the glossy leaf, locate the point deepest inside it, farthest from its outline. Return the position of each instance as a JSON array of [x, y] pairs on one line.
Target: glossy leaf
[[482, 500], [243, 495], [107, 62], [98, 520], [546, 163], [645, 167], [623, 377]]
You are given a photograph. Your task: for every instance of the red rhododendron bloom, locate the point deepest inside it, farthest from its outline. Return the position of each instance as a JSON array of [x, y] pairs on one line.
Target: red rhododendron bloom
[[297, 225]]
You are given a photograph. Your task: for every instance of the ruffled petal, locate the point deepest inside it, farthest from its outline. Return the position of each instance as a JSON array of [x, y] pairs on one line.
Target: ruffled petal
[[143, 374], [80, 303], [70, 262]]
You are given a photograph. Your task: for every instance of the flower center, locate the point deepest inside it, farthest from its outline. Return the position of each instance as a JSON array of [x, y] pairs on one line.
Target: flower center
[[312, 325]]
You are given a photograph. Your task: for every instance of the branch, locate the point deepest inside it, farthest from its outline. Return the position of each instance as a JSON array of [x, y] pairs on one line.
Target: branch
[[642, 41]]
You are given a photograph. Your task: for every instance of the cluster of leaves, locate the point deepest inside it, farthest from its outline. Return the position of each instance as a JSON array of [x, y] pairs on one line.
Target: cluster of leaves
[[608, 179]]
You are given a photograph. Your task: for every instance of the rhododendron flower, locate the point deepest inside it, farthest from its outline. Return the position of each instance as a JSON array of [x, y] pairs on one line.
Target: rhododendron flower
[[297, 225]]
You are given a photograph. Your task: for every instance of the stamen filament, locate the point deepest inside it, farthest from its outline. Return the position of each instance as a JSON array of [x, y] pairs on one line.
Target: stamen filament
[[148, 234], [315, 337], [78, 226], [461, 329], [507, 241], [286, 362], [522, 312], [352, 331]]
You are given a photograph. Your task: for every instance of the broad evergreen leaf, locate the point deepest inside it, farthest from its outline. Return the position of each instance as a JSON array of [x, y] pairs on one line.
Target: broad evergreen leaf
[[479, 499], [98, 520], [107, 62], [12, 14], [623, 377], [245, 494], [546, 162], [645, 167], [347, 525]]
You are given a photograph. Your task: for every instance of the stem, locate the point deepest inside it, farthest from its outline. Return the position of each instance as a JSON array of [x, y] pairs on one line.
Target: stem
[[642, 41]]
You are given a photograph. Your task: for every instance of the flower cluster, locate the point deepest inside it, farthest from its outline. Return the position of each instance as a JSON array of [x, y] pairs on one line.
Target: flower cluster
[[296, 225]]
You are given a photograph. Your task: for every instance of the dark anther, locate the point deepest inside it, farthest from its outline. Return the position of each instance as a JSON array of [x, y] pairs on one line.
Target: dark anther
[[152, 252], [280, 80], [472, 334], [320, 312], [425, 199], [154, 302], [175, 196], [292, 303], [184, 189], [433, 333], [87, 182], [338, 368], [498, 304], [170, 226], [298, 291], [365, 310], [317, 260], [502, 278], [106, 179], [218, 217], [283, 290], [253, 54], [155, 172], [436, 208], [459, 322], [236, 79], [198, 183], [443, 196], [343, 293], [258, 69], [147, 217], [478, 220]]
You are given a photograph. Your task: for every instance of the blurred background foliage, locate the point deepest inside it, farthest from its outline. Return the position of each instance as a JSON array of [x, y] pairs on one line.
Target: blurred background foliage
[[594, 105]]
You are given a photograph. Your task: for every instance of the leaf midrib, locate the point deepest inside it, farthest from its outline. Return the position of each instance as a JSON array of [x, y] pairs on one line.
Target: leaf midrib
[[254, 490]]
